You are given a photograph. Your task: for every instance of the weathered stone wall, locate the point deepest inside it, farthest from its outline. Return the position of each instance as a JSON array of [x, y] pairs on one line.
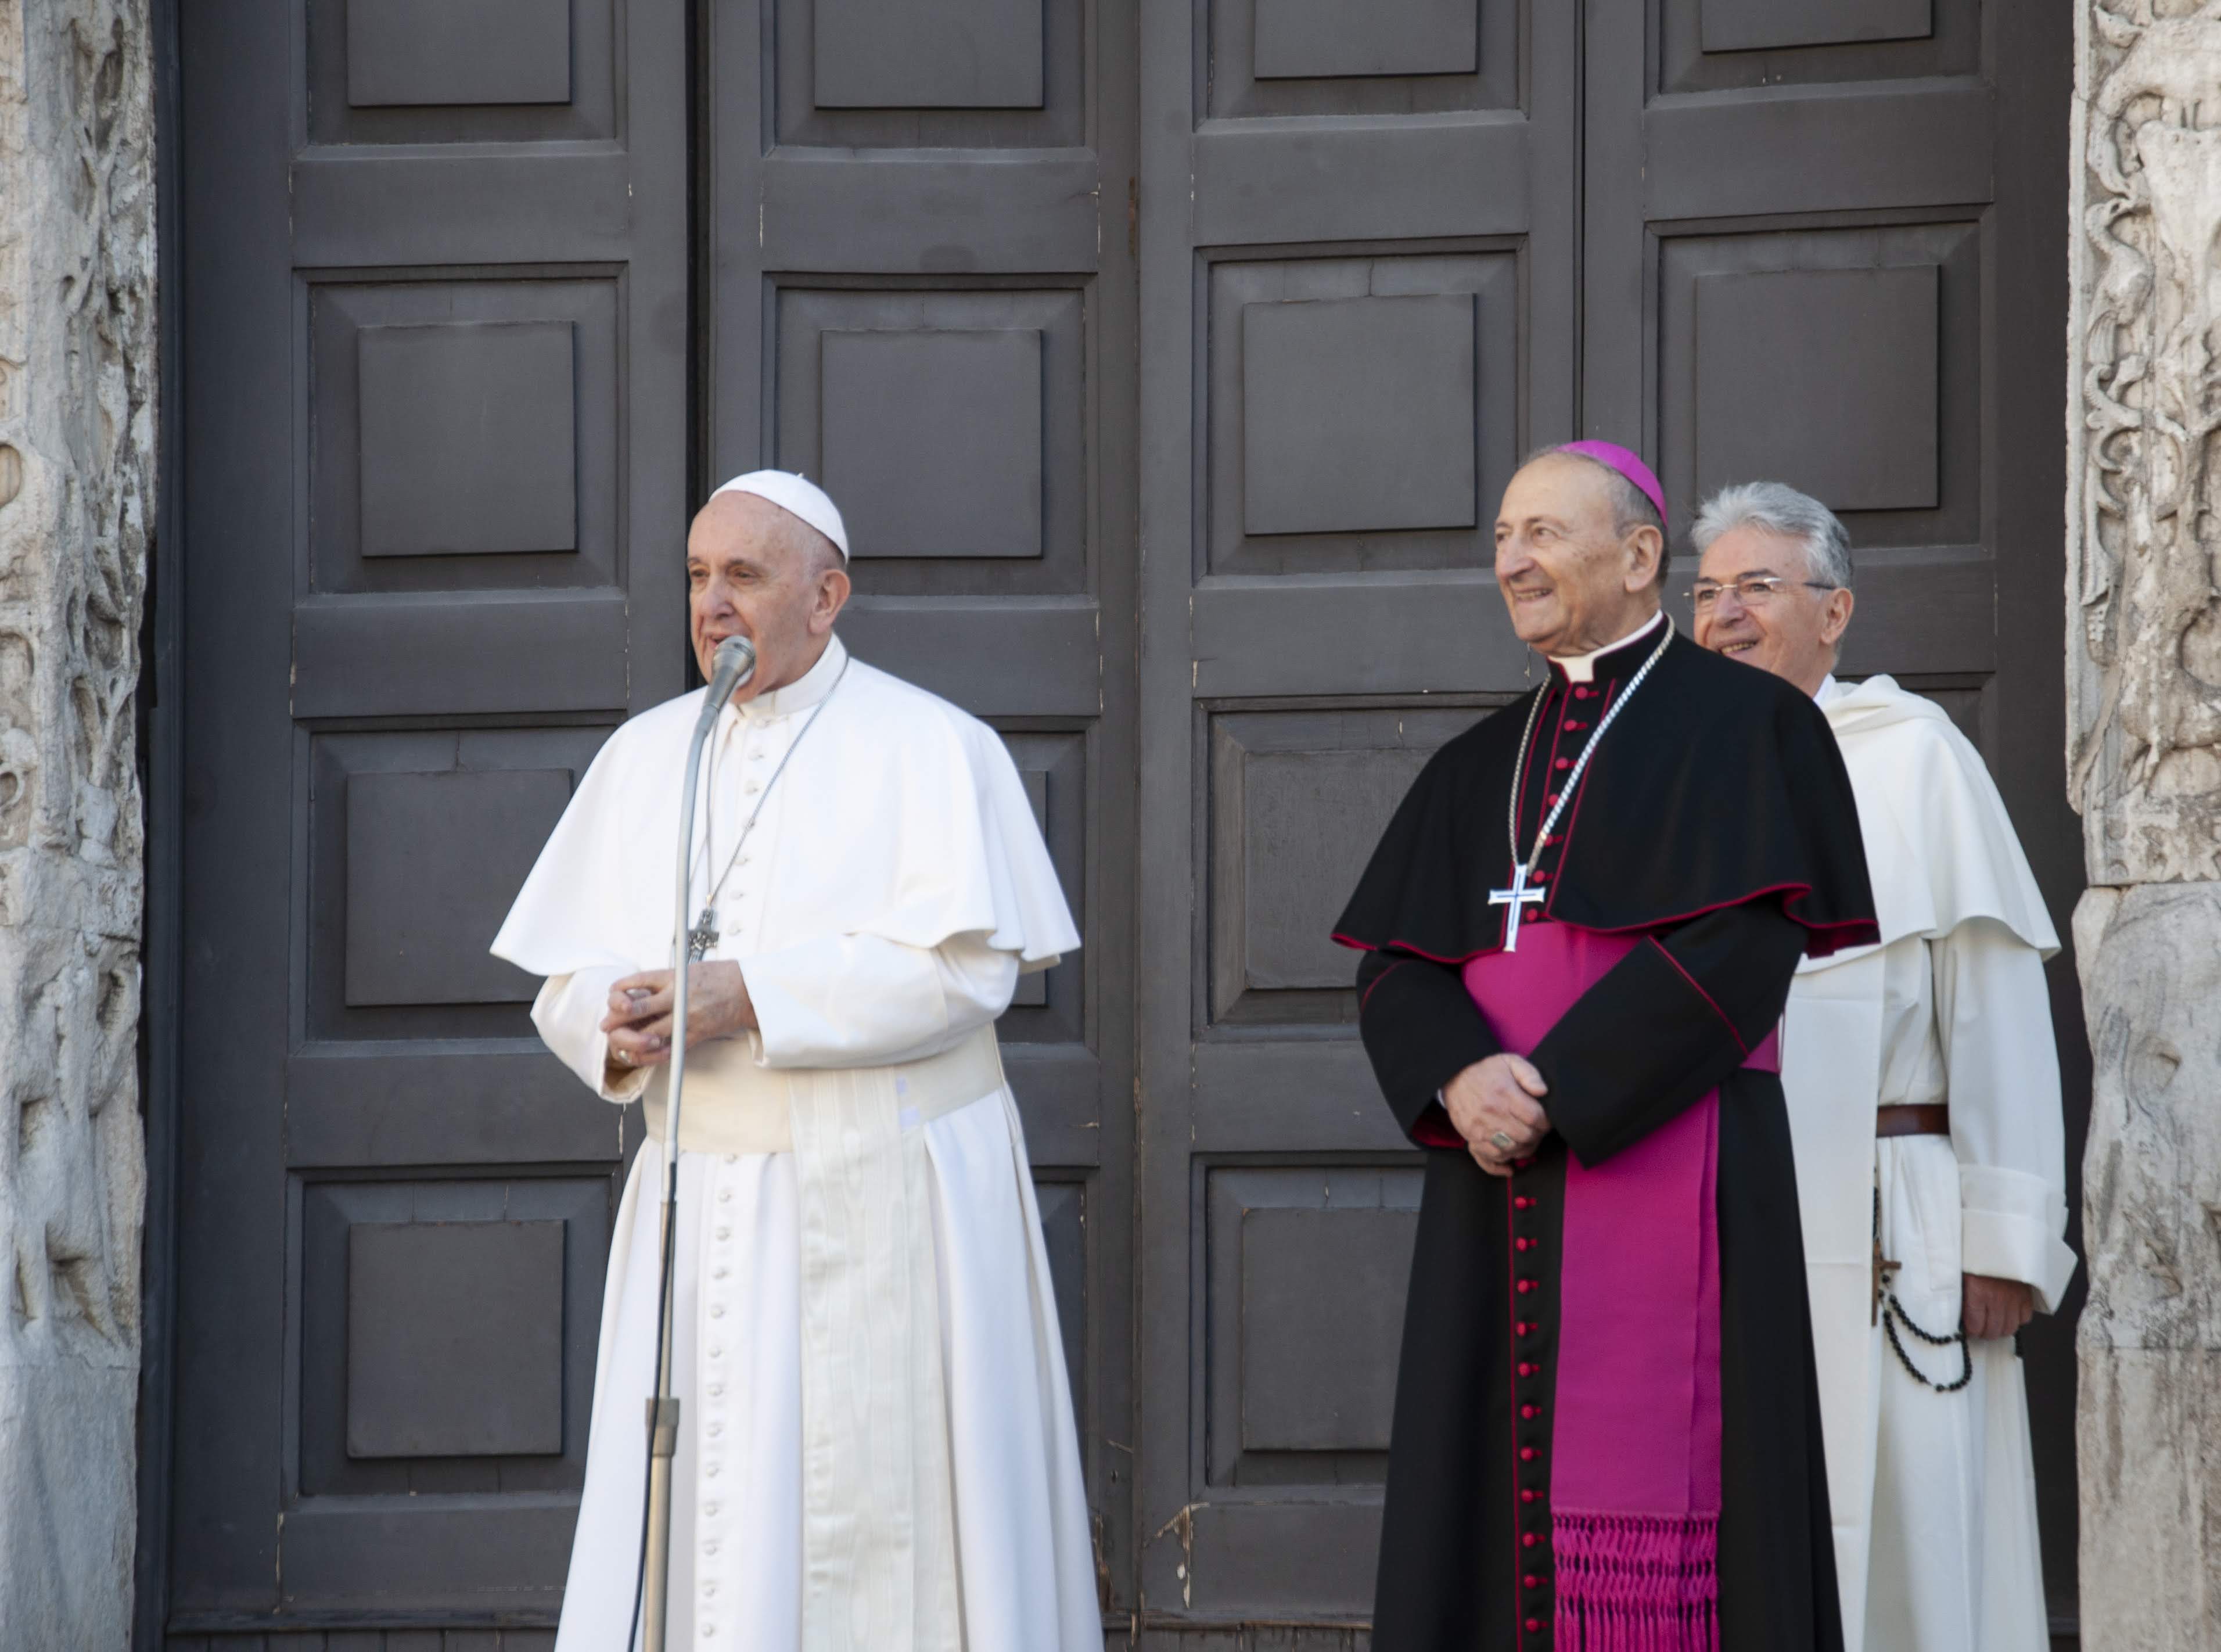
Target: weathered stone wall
[[77, 462], [2145, 765]]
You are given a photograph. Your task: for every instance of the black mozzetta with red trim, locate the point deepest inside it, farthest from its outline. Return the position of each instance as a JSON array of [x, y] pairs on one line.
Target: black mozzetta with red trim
[[1717, 785]]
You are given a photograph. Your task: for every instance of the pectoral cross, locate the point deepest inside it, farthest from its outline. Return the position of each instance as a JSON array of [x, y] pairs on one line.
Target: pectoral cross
[[703, 936], [1515, 897]]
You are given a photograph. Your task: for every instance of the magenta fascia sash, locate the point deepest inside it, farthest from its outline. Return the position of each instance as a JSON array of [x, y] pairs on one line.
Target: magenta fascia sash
[[1635, 1453]]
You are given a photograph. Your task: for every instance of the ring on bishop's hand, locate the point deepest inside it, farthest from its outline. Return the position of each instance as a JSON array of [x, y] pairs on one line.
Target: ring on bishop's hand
[[1500, 1141], [625, 1055]]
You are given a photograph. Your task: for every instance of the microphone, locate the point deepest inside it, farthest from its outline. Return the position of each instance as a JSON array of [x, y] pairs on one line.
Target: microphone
[[733, 664]]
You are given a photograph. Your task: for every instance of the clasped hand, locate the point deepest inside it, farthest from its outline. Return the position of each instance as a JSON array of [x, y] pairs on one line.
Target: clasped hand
[[639, 1021], [1498, 1096]]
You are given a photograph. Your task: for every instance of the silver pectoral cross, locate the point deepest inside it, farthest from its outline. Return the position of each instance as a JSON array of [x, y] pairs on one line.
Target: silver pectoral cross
[[1517, 896], [703, 936]]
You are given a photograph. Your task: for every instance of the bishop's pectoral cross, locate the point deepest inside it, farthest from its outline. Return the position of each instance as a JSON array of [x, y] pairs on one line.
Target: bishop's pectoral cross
[[703, 936], [1517, 896]]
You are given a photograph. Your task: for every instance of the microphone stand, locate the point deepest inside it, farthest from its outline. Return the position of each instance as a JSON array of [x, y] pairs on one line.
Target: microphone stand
[[663, 1407]]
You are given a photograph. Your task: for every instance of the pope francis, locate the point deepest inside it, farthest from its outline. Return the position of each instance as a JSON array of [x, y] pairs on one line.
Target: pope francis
[[1924, 1109], [877, 1451]]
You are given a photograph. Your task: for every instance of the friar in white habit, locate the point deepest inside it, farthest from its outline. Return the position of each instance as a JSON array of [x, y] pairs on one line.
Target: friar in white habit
[[1925, 1108], [877, 1451]]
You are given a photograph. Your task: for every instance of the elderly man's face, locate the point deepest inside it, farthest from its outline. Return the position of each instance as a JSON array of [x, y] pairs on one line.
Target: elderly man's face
[[1571, 580], [1791, 629], [754, 571]]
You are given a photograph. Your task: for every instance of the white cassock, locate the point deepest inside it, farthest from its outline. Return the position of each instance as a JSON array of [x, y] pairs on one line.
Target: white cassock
[[1933, 1494], [877, 1449]]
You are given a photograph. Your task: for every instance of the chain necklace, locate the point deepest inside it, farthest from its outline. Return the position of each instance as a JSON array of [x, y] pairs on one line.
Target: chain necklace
[[1521, 895], [704, 934]]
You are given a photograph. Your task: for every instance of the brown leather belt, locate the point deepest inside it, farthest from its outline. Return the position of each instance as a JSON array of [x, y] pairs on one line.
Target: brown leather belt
[[1929, 1118]]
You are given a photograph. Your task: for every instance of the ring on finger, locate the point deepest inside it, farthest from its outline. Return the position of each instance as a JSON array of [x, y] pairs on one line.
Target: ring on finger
[[1501, 1142]]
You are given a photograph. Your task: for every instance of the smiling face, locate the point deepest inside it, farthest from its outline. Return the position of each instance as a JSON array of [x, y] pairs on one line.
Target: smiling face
[[754, 571], [1795, 632], [1573, 580]]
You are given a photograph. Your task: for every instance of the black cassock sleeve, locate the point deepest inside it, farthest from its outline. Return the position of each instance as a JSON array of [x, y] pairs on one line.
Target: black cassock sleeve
[[1421, 1029], [1667, 1024]]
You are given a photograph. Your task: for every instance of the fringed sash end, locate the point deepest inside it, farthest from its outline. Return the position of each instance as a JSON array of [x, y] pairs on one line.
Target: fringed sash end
[[1636, 1583]]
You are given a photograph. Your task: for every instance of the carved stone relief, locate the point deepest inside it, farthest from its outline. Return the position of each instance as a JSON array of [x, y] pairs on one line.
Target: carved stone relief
[[2144, 511], [76, 456]]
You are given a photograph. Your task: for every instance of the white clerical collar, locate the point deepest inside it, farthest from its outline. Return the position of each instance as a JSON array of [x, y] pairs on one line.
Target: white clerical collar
[[1581, 667], [1828, 689], [800, 695]]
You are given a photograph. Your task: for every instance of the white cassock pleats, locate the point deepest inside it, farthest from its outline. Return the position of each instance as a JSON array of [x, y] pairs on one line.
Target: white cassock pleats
[[1023, 1556]]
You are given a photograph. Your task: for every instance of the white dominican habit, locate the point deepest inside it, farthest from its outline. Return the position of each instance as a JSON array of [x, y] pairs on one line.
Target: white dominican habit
[[1933, 1494], [877, 1449]]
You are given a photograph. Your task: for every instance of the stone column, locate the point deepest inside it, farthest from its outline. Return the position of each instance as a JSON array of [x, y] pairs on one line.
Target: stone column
[[76, 481], [2145, 765]]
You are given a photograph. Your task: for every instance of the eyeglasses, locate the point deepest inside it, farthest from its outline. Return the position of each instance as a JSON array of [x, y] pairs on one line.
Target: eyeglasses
[[1752, 591]]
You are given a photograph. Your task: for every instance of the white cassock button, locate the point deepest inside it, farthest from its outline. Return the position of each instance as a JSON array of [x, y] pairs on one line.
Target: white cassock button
[[716, 1429], [724, 1233], [716, 1391], [732, 1158], [717, 1311], [719, 1272], [710, 1469], [725, 1194], [751, 788], [710, 1547], [716, 1351], [710, 1508]]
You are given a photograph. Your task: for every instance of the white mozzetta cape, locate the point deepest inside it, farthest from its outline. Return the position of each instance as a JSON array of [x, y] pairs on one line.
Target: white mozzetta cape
[[1941, 853], [914, 827]]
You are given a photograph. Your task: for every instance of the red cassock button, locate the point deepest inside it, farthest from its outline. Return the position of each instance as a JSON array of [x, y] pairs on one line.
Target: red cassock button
[[1563, 763], [1532, 1581], [1580, 693], [1521, 1202], [1526, 1453], [1519, 1244], [1520, 1326], [1528, 1495], [1572, 727], [1529, 1541], [1525, 1286], [1533, 1626], [1531, 1412], [1552, 799], [1527, 1370]]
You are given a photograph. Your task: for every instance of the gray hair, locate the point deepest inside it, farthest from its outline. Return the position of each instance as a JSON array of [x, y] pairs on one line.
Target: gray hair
[[1776, 508]]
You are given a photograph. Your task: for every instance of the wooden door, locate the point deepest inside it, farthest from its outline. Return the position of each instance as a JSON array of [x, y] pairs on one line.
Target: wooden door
[[1386, 250], [1360, 307], [433, 438], [1821, 244], [922, 297]]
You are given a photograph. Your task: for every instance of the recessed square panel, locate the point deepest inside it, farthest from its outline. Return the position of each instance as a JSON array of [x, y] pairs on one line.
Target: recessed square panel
[[1358, 415], [1298, 800], [1825, 379], [1753, 25], [1322, 1316], [929, 53], [454, 1339], [1310, 821], [457, 52], [434, 862], [1336, 39], [932, 440], [468, 438]]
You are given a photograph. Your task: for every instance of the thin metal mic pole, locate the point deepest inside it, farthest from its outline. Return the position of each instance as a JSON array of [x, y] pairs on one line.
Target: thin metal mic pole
[[735, 664]]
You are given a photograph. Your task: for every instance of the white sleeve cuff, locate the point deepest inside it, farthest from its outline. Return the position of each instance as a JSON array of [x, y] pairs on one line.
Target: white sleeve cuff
[[2010, 1225]]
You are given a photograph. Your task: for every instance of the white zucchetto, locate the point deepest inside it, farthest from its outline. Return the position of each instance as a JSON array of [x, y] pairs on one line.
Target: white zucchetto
[[798, 497]]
